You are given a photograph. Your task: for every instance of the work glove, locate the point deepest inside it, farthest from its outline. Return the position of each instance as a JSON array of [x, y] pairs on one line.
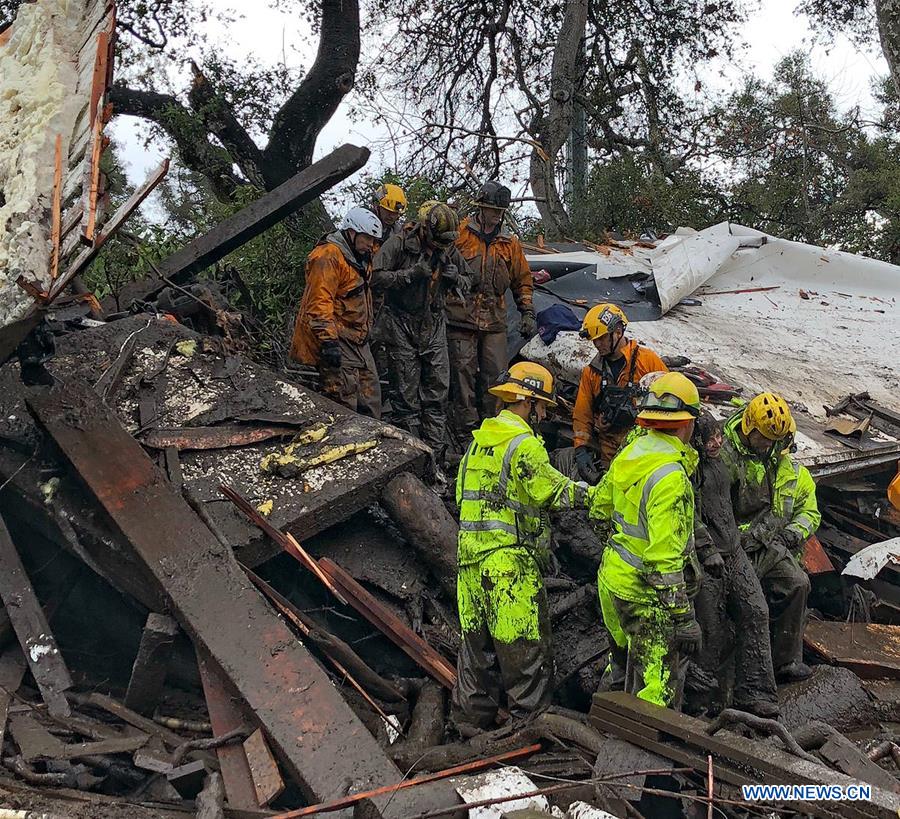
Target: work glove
[[688, 637], [421, 269], [584, 461], [330, 354], [714, 565], [528, 324]]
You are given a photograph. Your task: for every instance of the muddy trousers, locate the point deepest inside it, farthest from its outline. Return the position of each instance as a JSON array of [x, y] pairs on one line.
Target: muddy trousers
[[419, 375], [506, 641], [654, 669], [355, 383], [786, 586], [732, 612], [476, 362]]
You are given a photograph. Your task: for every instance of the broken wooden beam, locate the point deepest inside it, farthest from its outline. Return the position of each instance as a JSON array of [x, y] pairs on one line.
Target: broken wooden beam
[[218, 437], [148, 674], [253, 220], [870, 650], [390, 625], [314, 731], [225, 715], [32, 628]]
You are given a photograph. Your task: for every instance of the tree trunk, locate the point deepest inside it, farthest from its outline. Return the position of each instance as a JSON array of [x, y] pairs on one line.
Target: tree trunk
[[888, 15], [555, 126]]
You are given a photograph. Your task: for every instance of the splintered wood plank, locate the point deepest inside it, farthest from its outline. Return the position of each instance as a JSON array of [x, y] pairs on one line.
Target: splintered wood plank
[[870, 650], [56, 211], [31, 626], [311, 727], [266, 777], [225, 716]]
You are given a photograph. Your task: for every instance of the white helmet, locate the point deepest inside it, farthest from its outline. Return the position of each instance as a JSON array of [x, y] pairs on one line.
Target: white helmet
[[362, 221]]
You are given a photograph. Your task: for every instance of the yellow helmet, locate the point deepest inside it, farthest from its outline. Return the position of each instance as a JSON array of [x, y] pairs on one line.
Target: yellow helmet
[[602, 319], [671, 397], [770, 415], [525, 380], [391, 197]]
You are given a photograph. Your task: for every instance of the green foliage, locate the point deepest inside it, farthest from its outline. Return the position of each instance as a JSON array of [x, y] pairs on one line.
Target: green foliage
[[418, 190], [626, 195]]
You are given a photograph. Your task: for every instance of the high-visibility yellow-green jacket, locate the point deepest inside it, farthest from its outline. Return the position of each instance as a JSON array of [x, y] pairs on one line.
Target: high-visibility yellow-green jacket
[[505, 488], [647, 493], [782, 489]]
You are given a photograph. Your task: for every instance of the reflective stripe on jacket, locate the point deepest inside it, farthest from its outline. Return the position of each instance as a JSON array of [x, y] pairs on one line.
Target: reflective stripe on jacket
[[505, 488], [783, 489], [336, 303], [648, 495], [494, 267]]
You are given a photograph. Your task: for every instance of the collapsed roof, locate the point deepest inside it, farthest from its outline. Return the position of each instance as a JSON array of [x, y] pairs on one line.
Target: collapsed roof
[[763, 313]]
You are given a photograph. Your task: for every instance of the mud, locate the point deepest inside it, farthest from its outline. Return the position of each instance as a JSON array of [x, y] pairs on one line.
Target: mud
[[832, 695]]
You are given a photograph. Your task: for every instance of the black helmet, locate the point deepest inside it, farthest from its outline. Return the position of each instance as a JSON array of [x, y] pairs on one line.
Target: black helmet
[[493, 195]]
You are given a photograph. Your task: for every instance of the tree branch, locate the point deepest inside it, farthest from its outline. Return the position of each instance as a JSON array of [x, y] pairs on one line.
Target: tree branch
[[188, 133], [296, 126]]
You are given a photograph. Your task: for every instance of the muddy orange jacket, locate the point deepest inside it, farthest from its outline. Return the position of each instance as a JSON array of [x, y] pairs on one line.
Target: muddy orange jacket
[[494, 267], [584, 426], [337, 300]]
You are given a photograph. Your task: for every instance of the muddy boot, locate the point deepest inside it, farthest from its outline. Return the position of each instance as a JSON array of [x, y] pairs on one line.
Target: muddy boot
[[793, 672]]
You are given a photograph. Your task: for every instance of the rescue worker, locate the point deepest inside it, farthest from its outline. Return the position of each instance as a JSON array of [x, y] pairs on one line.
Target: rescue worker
[[415, 270], [606, 405], [477, 332], [505, 489], [776, 510], [389, 204], [731, 606], [335, 317], [649, 567]]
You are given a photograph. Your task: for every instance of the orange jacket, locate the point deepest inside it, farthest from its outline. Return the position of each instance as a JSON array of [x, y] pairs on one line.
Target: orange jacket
[[584, 421], [337, 300], [494, 267]]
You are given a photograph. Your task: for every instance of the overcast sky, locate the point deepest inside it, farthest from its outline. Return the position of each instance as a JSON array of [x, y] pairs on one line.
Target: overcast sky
[[772, 32]]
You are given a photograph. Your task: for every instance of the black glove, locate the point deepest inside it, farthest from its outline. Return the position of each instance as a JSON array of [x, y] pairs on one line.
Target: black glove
[[584, 461], [330, 354], [714, 565], [451, 273], [688, 637], [421, 269], [528, 324]]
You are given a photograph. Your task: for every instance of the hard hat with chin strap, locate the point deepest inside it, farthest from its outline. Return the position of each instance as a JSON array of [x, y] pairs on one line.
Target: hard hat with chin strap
[[391, 197], [361, 220], [671, 397], [601, 320], [525, 380], [770, 415]]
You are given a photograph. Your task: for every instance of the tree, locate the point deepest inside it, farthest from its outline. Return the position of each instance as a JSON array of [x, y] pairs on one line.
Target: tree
[[489, 86]]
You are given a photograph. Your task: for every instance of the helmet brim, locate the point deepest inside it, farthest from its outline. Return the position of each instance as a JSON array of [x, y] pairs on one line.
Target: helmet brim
[[505, 393], [662, 415]]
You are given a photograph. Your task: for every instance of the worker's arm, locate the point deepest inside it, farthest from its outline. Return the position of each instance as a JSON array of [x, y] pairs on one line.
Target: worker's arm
[[521, 280], [582, 415], [323, 281], [600, 500], [670, 526], [649, 362], [545, 486], [805, 518], [386, 271]]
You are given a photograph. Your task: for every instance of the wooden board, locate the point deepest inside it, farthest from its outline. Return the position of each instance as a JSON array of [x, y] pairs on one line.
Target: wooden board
[[870, 650], [28, 619], [266, 777], [253, 220], [314, 731]]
